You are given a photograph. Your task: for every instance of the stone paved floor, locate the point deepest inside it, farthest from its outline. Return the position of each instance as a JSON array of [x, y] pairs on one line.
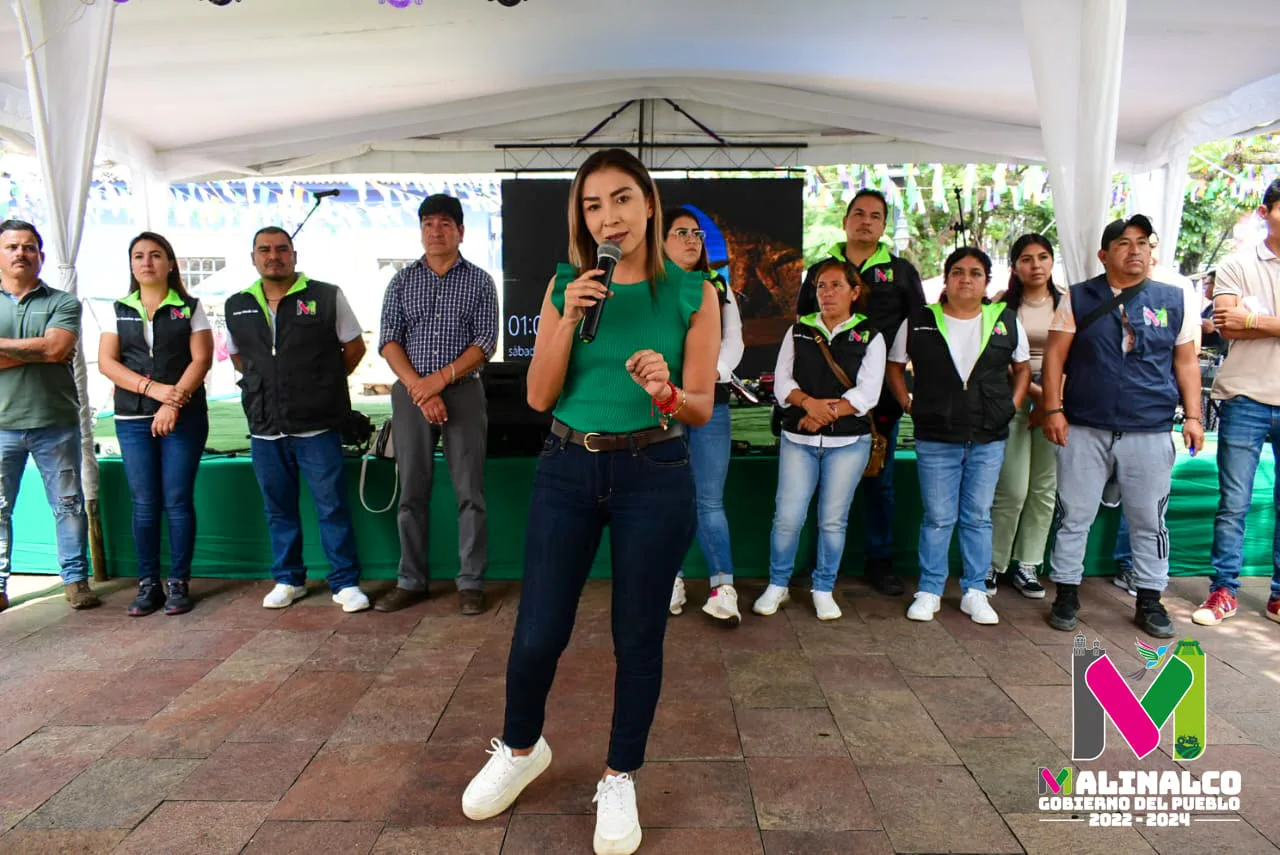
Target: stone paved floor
[[236, 729]]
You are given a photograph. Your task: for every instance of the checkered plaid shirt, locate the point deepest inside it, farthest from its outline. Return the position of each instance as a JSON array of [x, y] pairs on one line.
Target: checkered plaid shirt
[[435, 318]]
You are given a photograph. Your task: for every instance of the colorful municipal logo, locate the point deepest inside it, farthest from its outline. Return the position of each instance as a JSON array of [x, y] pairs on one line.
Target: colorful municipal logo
[[1099, 692]]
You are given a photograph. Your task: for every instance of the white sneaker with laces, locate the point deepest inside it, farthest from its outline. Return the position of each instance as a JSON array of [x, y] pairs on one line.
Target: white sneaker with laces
[[925, 605], [503, 778], [617, 822], [352, 599], [282, 596], [977, 605], [722, 604], [678, 599], [824, 603], [768, 602]]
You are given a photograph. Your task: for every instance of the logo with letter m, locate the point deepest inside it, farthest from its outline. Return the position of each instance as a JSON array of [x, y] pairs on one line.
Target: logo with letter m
[[1049, 784]]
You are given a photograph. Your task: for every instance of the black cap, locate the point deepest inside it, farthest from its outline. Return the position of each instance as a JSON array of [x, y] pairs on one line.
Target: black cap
[[1114, 230], [440, 203]]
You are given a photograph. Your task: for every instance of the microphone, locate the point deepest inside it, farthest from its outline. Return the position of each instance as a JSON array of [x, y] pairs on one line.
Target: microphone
[[607, 258], [325, 194]]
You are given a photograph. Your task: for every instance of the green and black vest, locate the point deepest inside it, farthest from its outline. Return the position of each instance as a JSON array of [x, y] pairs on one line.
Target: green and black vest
[[294, 379], [168, 356], [848, 344], [722, 295], [946, 408]]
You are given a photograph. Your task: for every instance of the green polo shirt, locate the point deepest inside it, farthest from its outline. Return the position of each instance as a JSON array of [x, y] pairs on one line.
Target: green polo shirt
[[38, 395]]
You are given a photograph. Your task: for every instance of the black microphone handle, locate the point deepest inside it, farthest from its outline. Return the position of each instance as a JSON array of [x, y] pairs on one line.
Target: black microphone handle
[[591, 320]]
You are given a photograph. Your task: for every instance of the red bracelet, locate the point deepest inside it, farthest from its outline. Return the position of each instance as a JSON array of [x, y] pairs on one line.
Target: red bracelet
[[670, 405]]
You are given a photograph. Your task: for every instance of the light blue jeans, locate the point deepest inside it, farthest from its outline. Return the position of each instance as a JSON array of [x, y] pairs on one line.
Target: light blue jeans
[[709, 447], [56, 451], [835, 472], [957, 483], [1245, 426]]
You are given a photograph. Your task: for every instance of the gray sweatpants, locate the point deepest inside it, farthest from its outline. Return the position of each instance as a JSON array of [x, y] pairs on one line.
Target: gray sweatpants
[[1142, 466], [465, 436]]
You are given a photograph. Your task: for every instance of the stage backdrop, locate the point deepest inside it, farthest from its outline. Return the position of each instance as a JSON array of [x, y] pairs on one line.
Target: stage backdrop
[[754, 231]]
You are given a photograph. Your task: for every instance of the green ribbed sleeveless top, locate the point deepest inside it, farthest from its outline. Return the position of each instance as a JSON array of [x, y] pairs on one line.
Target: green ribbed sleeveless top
[[599, 394]]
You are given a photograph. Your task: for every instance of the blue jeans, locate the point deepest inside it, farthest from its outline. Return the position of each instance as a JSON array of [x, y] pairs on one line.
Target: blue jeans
[[1123, 553], [646, 499], [709, 455], [162, 478], [957, 482], [877, 493], [277, 463], [801, 469], [1244, 425], [56, 451]]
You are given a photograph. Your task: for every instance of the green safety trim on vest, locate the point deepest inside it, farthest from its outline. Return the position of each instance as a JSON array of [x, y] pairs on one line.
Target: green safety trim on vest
[[815, 321], [134, 301], [258, 294], [990, 316], [880, 256]]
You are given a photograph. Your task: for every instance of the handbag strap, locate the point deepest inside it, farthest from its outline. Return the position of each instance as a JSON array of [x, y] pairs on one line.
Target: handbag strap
[[1107, 307], [831, 362]]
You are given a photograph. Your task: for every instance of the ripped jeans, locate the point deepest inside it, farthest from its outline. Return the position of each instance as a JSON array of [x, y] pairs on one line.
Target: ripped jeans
[[56, 451]]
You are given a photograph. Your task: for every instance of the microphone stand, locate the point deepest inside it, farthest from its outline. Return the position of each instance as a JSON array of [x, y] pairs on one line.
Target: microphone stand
[[961, 228], [320, 197]]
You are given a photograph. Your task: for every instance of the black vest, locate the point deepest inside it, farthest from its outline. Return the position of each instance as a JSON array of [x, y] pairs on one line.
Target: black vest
[[165, 361], [298, 381], [947, 409], [814, 376]]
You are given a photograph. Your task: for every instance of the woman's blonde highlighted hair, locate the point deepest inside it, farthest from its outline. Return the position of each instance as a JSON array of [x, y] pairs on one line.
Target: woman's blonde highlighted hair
[[582, 246]]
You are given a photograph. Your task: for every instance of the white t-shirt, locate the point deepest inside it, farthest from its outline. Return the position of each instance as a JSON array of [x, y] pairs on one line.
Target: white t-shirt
[[199, 323], [346, 324], [964, 341]]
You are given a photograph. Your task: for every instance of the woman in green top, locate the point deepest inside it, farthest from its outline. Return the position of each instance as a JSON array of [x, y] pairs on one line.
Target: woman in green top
[[617, 456]]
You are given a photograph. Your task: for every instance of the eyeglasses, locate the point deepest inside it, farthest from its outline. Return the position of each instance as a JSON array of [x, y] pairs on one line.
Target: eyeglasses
[[685, 234]]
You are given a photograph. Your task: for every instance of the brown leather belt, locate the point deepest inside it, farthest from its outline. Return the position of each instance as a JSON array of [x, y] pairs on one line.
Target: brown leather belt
[[597, 442]]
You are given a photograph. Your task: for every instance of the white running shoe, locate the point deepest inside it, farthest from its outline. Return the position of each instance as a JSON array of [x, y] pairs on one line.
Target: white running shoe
[[282, 596], [352, 599], [678, 599], [977, 605], [768, 602], [722, 604], [925, 606], [503, 778], [617, 822], [825, 605]]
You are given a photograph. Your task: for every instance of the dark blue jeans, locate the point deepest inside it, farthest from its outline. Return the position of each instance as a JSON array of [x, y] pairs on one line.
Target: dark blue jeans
[[646, 498], [162, 480], [1245, 426], [877, 494], [277, 464]]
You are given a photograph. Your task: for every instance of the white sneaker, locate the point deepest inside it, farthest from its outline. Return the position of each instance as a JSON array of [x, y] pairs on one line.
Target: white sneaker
[[617, 822], [722, 604], [977, 605], [825, 605], [352, 599], [282, 596], [678, 599], [503, 778], [768, 602], [925, 606]]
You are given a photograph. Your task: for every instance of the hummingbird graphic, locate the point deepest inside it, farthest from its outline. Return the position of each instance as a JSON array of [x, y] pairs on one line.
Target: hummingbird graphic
[[1152, 655]]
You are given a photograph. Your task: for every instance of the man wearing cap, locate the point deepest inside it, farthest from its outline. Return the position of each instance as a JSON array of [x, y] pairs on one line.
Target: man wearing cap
[[439, 327], [1127, 346]]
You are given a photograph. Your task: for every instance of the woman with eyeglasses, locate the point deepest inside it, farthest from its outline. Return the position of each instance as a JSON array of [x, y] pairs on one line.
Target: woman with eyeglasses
[[709, 445]]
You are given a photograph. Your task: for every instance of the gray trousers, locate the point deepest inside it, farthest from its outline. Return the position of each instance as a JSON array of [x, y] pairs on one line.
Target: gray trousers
[[465, 437], [1141, 465]]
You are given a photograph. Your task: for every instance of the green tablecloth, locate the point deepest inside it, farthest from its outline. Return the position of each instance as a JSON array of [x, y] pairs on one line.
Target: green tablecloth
[[233, 541]]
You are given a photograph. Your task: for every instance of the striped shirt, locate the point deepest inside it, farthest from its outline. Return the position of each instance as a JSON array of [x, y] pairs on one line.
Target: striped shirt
[[435, 318]]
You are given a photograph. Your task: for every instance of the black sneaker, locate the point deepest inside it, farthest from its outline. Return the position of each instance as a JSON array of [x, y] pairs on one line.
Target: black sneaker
[[1065, 607], [1150, 616], [150, 598], [990, 583], [1124, 578], [880, 576], [1025, 582], [179, 600]]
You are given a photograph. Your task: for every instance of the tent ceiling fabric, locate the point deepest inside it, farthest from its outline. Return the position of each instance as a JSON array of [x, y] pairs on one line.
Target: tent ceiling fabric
[[353, 85]]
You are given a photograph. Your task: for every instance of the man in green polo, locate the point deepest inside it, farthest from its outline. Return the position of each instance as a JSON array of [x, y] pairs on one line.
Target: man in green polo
[[39, 407]]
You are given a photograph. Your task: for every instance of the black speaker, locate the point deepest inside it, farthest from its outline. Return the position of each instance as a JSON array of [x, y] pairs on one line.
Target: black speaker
[[515, 428]]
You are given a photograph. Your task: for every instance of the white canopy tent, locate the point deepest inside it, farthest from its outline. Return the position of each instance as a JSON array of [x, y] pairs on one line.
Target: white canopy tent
[[273, 87]]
